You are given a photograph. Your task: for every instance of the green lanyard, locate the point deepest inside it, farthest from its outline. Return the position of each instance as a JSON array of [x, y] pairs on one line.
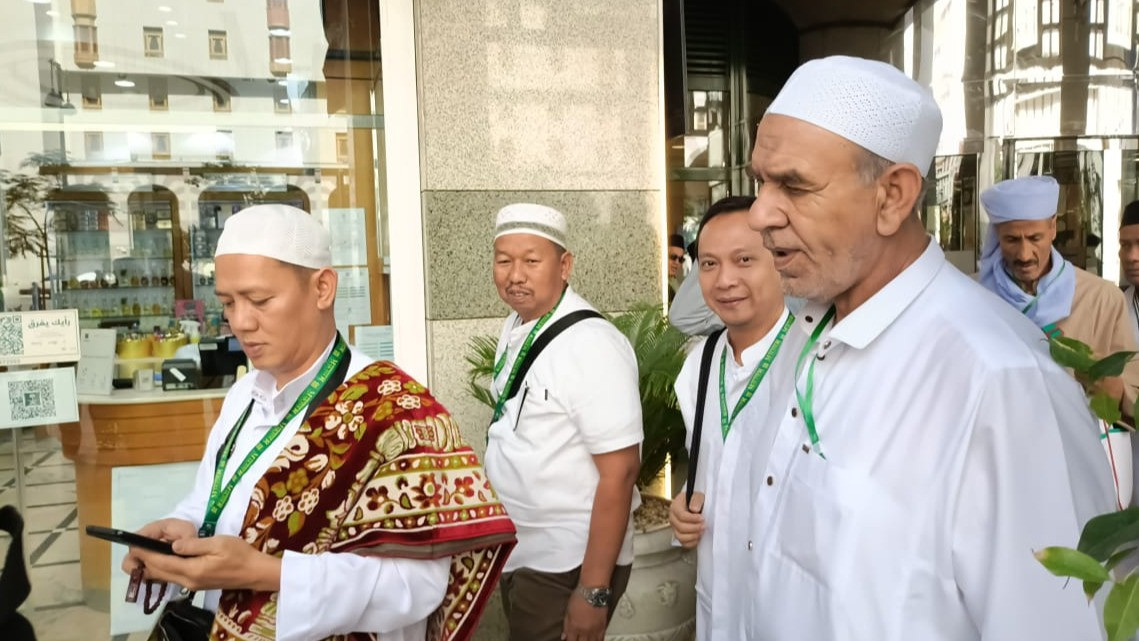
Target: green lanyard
[[500, 403], [806, 400], [219, 495], [756, 378]]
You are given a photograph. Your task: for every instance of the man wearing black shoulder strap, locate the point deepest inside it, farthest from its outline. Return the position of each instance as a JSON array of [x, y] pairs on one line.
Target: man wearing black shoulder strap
[[732, 393], [563, 448]]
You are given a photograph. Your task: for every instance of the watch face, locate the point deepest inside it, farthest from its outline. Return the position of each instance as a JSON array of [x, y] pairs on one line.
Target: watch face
[[597, 597]]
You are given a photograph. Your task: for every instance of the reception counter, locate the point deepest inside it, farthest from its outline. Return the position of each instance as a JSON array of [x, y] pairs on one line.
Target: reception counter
[[128, 427]]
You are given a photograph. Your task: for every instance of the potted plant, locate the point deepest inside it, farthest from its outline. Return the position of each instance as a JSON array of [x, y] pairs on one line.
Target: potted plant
[[660, 602], [1108, 542]]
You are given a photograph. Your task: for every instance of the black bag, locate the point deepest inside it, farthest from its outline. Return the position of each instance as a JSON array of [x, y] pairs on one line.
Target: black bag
[[14, 584], [181, 620]]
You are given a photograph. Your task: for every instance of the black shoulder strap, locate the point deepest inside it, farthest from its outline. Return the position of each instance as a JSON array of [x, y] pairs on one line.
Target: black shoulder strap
[[698, 420], [544, 339]]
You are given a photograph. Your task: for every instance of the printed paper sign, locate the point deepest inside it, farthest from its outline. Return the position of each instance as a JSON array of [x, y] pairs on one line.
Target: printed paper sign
[[31, 338], [37, 397], [97, 362]]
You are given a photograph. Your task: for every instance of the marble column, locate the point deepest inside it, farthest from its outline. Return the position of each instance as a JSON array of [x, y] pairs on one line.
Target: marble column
[[535, 101]]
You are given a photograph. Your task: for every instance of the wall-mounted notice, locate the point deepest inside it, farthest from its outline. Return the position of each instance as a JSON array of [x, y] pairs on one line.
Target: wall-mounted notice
[[376, 341], [353, 299], [37, 397], [348, 231], [31, 338]]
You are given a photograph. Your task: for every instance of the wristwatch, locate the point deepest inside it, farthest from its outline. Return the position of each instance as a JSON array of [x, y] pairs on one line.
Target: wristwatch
[[597, 597]]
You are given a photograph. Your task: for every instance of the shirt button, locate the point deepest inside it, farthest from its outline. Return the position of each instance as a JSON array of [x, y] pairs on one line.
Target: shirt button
[[808, 319], [794, 412], [749, 545], [771, 480], [806, 448], [827, 345]]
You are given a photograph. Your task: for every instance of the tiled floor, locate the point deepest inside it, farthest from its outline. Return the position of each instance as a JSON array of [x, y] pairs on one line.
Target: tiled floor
[[51, 539]]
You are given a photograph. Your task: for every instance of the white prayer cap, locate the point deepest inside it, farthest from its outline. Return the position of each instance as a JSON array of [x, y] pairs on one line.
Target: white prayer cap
[[1028, 198], [527, 218], [283, 232], [870, 103]]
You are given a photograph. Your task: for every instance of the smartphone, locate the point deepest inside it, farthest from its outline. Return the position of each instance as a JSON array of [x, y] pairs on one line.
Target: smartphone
[[131, 539]]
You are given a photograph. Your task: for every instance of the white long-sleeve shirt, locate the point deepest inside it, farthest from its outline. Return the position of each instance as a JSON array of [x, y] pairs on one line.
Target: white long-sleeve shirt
[[321, 594], [728, 472], [954, 447]]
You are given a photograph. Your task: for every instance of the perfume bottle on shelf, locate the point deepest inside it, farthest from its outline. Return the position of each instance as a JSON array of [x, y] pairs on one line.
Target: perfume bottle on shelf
[[145, 280], [136, 308], [124, 307], [165, 279], [134, 279]]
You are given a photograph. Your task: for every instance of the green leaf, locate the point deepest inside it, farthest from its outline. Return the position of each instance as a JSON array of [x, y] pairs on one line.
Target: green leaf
[[1091, 588], [1063, 561], [1121, 611], [1111, 366], [1107, 534], [1121, 555], [1071, 353], [1106, 407]]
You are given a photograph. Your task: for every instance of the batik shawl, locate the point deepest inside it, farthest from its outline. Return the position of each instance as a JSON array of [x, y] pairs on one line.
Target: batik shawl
[[378, 469]]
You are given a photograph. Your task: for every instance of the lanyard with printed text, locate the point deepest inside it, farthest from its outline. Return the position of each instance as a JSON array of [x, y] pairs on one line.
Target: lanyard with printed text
[[500, 403], [219, 495], [806, 399], [726, 420]]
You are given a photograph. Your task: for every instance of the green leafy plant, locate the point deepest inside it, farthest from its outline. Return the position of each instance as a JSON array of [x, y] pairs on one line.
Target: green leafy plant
[[1110, 538], [660, 355]]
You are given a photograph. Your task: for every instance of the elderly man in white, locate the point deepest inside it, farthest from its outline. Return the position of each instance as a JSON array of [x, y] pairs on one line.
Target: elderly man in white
[[931, 443]]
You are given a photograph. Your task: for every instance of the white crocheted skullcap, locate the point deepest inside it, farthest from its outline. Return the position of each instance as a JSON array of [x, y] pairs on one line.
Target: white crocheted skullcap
[[870, 103], [283, 232], [1028, 198], [528, 218]]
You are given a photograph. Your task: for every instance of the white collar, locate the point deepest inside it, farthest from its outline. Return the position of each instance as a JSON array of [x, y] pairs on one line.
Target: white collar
[[274, 401], [872, 317]]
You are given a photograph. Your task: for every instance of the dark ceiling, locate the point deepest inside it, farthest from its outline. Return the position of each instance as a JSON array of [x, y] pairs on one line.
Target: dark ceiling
[[807, 14]]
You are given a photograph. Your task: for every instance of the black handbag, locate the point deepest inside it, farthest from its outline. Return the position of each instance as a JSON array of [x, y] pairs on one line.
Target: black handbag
[[181, 620], [14, 584]]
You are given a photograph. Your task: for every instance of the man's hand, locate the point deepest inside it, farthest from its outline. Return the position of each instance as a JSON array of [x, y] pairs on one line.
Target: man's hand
[[164, 530], [687, 523], [214, 563], [584, 622]]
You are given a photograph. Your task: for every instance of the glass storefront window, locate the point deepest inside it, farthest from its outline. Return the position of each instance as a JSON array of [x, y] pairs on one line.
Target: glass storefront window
[[129, 133]]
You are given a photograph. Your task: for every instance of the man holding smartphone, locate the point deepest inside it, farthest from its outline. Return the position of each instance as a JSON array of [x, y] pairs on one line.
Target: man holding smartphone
[[336, 496]]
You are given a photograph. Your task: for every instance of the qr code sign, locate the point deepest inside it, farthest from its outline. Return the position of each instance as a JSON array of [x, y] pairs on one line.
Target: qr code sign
[[11, 335], [31, 400]]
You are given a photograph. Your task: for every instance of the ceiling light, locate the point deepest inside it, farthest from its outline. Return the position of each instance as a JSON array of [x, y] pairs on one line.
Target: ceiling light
[[283, 61], [104, 64], [284, 101], [172, 23], [165, 9], [52, 12], [123, 82], [179, 35], [279, 31], [285, 83], [40, 1]]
